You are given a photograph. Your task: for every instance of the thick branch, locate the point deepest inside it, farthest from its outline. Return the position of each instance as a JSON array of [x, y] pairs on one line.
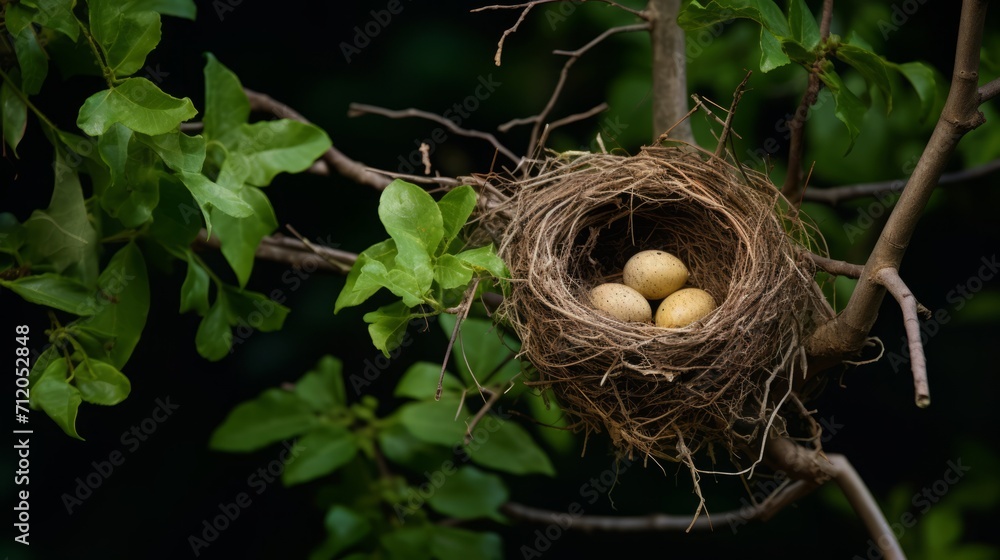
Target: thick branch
[[834, 195], [796, 146], [670, 106], [845, 335], [889, 277]]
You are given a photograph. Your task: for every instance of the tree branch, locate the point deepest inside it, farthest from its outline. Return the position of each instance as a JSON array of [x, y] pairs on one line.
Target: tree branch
[[670, 97], [796, 146], [834, 195], [845, 334], [281, 249], [839, 268], [889, 277], [989, 90], [344, 165], [357, 109]]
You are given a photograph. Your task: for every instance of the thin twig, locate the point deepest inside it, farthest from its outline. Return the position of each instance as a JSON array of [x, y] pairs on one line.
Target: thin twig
[[358, 109], [737, 95], [460, 315], [796, 145], [494, 397], [567, 120], [839, 268], [834, 195], [889, 277], [341, 267], [277, 248]]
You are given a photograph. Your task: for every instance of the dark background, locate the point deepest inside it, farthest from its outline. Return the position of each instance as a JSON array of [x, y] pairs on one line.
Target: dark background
[[430, 56]]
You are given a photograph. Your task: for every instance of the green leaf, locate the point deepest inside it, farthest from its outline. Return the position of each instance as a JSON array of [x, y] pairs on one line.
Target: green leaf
[[134, 189], [345, 528], [772, 54], [359, 287], [413, 220], [850, 110], [62, 235], [255, 310], [214, 337], [505, 446], [12, 234], [871, 66], [273, 147], [13, 111], [273, 416], [449, 543], [240, 236], [124, 34], [421, 379], [321, 452], [53, 290], [484, 258], [481, 350], [17, 17], [456, 206], [400, 446], [323, 386], [802, 24], [55, 14], [211, 195], [138, 104], [60, 400], [122, 304], [434, 421], [177, 8], [451, 272], [226, 105], [400, 281], [387, 325], [924, 80], [408, 543], [101, 383], [33, 62], [178, 150], [774, 25], [470, 494], [177, 218], [194, 290]]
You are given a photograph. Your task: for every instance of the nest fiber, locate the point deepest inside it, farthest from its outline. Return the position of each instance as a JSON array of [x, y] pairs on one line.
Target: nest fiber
[[657, 392]]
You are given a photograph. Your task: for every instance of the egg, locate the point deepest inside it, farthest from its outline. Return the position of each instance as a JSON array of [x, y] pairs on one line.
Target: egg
[[655, 274], [621, 302], [684, 307]]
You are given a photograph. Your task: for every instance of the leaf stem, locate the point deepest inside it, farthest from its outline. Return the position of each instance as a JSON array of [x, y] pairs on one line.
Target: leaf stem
[[24, 98], [109, 75]]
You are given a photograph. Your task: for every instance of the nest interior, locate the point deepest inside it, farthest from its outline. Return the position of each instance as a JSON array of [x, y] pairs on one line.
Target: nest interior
[[657, 392]]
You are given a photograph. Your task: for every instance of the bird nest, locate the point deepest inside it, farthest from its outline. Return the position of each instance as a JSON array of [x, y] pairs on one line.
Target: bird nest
[[662, 393]]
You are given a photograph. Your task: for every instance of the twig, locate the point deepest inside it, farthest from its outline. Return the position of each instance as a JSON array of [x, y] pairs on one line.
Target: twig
[[839, 268], [737, 95], [989, 90], [461, 313], [357, 109], [539, 120], [834, 195], [494, 397], [796, 145], [889, 277], [570, 119], [277, 248], [341, 267]]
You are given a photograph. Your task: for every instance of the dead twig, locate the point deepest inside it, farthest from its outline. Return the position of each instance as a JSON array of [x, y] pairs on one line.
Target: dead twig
[[460, 314], [727, 126], [838, 268], [277, 248], [835, 195], [889, 277]]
